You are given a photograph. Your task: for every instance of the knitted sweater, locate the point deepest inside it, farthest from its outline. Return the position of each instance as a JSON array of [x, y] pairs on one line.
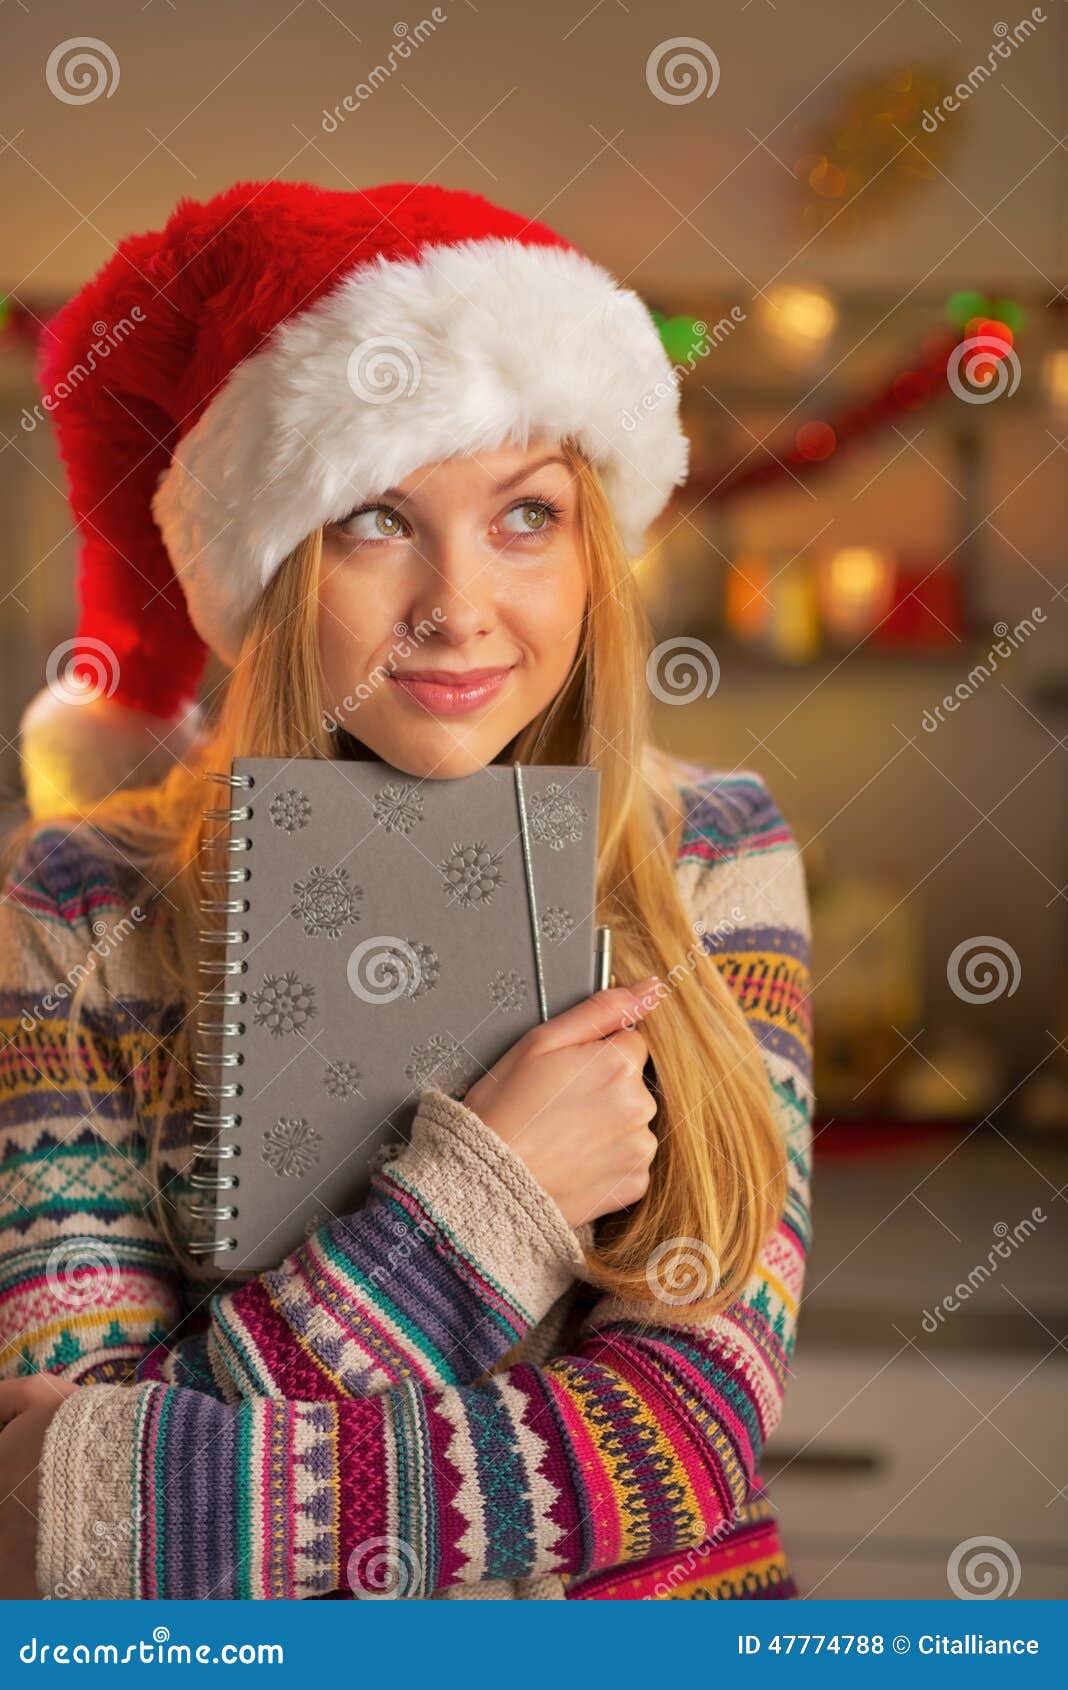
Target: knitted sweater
[[425, 1398]]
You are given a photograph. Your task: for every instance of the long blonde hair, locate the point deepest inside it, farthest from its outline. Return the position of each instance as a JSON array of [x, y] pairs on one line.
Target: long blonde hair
[[718, 1179]]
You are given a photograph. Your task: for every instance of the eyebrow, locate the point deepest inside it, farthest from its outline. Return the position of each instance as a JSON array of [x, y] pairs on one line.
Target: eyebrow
[[395, 494]]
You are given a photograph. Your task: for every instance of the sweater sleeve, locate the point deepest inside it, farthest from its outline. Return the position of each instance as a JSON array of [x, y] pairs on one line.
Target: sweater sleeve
[[641, 1442], [456, 1254]]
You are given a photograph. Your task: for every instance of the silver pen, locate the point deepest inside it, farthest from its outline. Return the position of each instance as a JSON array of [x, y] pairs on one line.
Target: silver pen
[[603, 959]]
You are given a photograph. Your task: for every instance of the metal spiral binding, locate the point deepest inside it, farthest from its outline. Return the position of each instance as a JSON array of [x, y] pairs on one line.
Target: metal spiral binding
[[214, 1116]]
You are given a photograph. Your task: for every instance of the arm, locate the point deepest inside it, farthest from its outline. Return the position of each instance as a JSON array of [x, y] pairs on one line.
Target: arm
[[457, 1253], [640, 1443]]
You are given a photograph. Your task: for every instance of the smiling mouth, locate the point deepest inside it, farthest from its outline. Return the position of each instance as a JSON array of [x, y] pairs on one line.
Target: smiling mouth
[[451, 694]]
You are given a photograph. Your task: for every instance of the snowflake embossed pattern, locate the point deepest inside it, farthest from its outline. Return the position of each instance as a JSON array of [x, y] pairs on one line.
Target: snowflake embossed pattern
[[414, 974], [555, 819], [508, 990], [283, 1004], [557, 923], [471, 875], [436, 1062], [326, 902], [342, 1080], [397, 807], [291, 1147], [290, 810]]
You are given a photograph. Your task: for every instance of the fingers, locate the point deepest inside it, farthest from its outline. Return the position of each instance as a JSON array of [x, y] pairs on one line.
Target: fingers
[[16, 1395], [631, 1046], [606, 1012]]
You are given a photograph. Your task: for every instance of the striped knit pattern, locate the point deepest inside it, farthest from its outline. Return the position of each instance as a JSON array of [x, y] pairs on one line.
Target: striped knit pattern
[[367, 1416]]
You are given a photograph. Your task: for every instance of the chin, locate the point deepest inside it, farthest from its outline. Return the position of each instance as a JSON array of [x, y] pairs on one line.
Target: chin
[[436, 758]]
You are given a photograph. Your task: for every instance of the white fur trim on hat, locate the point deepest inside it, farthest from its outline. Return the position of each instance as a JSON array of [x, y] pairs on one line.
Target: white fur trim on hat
[[404, 363], [75, 752]]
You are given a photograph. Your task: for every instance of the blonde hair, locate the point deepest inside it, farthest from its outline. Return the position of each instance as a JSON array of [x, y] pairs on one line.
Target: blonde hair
[[718, 1179]]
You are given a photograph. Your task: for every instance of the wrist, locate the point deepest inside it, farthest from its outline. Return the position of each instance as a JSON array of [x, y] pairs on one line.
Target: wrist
[[489, 1204]]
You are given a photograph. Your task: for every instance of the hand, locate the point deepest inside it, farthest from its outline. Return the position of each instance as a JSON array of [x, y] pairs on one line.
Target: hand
[[26, 1407], [569, 1098]]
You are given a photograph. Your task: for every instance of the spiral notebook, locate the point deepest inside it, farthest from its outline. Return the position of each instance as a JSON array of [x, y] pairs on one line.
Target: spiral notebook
[[366, 934]]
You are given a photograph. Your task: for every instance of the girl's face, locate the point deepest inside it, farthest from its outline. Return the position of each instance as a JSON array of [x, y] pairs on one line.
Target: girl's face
[[450, 608]]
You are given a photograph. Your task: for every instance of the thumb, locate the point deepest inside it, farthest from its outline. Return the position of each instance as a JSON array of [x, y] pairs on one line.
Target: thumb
[[606, 1012]]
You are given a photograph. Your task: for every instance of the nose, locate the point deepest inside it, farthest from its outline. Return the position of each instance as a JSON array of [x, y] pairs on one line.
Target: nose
[[454, 595]]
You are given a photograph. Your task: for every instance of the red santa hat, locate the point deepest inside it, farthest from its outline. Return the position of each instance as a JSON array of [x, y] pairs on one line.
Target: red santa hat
[[269, 360]]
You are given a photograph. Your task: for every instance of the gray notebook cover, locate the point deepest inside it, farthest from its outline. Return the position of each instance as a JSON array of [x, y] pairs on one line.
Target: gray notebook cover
[[401, 933]]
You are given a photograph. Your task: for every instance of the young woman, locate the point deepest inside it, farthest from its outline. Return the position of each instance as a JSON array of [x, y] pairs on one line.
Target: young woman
[[563, 1383]]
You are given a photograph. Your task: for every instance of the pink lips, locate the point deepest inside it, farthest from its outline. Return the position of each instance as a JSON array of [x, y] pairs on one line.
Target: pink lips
[[451, 693]]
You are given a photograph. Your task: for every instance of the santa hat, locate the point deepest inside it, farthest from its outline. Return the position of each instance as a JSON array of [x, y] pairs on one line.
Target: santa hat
[[269, 360]]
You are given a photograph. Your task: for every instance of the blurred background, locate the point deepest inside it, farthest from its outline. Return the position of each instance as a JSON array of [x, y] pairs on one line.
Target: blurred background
[[850, 222]]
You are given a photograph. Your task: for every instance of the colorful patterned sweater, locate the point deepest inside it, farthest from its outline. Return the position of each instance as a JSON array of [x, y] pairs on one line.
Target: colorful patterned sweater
[[425, 1398]]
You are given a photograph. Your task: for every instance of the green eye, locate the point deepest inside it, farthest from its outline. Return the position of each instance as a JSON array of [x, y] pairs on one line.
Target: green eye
[[546, 514], [385, 524]]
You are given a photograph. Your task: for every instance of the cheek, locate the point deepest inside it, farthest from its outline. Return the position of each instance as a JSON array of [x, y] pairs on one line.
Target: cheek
[[355, 619], [546, 612]]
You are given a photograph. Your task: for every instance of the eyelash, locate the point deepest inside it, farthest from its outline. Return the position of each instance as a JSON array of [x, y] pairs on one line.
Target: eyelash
[[553, 511]]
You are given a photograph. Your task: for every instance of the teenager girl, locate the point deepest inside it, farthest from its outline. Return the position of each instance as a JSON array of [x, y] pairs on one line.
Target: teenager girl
[[387, 456]]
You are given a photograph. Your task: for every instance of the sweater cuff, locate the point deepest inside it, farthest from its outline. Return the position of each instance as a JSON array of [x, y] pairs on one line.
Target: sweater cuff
[[485, 1197], [86, 1523]]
